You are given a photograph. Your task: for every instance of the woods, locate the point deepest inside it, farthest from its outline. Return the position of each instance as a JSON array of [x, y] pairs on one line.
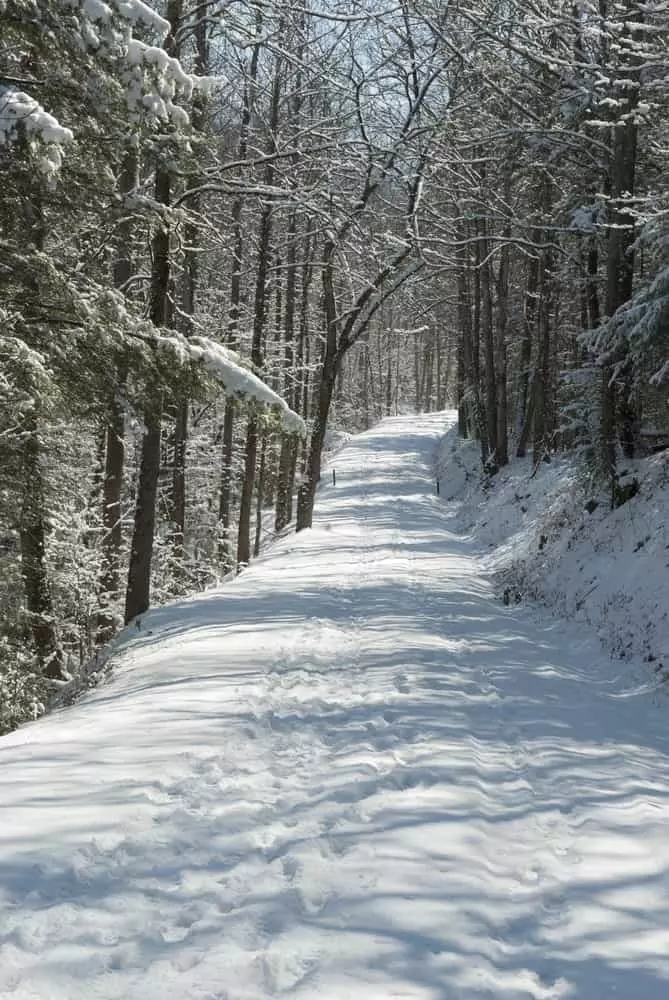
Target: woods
[[227, 227]]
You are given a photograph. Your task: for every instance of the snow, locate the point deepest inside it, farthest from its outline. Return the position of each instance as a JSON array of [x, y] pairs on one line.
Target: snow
[[349, 773], [226, 366], [97, 10], [138, 12], [607, 569], [19, 109]]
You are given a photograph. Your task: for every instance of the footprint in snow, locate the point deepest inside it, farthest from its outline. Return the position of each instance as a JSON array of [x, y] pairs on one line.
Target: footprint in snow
[[402, 683]]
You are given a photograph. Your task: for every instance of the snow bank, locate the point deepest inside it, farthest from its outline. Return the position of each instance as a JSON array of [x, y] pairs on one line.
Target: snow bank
[[609, 569]]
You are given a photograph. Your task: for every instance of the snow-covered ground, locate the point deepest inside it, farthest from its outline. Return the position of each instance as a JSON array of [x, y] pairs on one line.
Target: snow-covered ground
[[350, 774], [607, 569]]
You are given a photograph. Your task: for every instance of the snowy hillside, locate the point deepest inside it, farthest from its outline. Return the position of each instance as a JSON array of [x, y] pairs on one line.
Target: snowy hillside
[[608, 569], [350, 774]]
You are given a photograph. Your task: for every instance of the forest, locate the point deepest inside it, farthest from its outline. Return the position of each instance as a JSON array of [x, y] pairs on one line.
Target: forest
[[230, 227]]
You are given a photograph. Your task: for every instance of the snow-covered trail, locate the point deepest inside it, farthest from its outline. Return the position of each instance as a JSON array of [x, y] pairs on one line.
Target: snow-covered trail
[[349, 774]]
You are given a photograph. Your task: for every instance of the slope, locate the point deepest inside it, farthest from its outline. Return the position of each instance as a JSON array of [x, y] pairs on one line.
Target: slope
[[351, 773]]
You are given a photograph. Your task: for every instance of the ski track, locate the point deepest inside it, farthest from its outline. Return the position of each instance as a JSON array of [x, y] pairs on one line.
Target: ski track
[[349, 774]]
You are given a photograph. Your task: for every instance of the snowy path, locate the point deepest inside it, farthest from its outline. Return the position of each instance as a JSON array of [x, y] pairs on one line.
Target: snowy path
[[349, 774]]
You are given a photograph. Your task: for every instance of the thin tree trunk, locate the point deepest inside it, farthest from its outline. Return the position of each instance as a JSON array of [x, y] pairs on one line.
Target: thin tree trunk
[[389, 382], [620, 270], [178, 505], [260, 492], [39, 604], [284, 481], [525, 409], [312, 473], [470, 368], [225, 496], [251, 449], [488, 331], [502, 441], [112, 533], [428, 368], [617, 406], [138, 593], [189, 291], [326, 384], [225, 550], [139, 573], [33, 521], [541, 403], [109, 586]]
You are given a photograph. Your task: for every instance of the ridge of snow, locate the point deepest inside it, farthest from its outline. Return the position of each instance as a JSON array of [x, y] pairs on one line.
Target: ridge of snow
[[226, 366], [19, 111], [138, 12]]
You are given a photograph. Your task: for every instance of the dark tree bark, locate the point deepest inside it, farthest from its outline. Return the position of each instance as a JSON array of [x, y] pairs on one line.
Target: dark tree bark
[[284, 479], [502, 443], [225, 548], [32, 533], [33, 519], [251, 449], [617, 408], [488, 333], [260, 494], [525, 409], [189, 288], [138, 592], [109, 586], [312, 472], [541, 402], [112, 536], [328, 375], [469, 334]]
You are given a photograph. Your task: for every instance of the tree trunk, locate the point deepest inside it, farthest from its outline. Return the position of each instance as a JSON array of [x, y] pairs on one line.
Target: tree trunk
[[112, 535], [488, 331], [502, 441], [260, 492], [178, 505], [328, 374], [617, 406], [284, 485], [259, 322], [225, 550], [251, 449], [620, 270], [32, 533], [525, 407], [225, 496], [189, 290], [138, 592], [139, 572], [541, 444], [312, 473], [475, 411], [109, 586]]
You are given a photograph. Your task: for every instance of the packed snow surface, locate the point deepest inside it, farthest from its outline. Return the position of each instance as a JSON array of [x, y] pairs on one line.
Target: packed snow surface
[[351, 774]]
